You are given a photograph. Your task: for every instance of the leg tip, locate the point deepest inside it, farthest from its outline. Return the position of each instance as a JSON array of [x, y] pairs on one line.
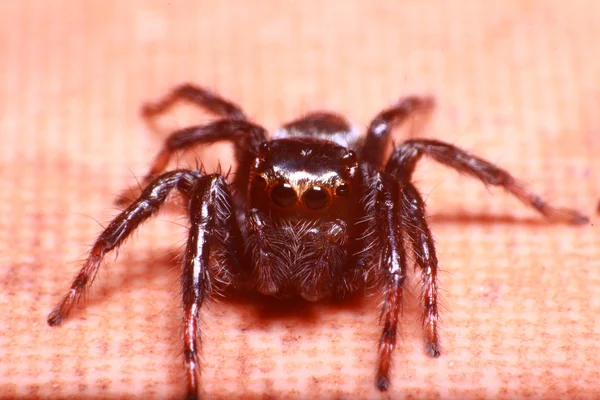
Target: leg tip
[[580, 219], [433, 349], [429, 102], [383, 383], [55, 318], [149, 109], [568, 216], [192, 396]]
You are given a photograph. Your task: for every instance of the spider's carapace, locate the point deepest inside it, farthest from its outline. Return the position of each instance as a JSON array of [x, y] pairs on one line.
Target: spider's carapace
[[303, 205], [316, 211]]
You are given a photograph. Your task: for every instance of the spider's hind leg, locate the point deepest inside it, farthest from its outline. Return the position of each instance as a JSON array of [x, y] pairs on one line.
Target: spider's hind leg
[[211, 257], [380, 129], [199, 96], [245, 136], [405, 157], [415, 225]]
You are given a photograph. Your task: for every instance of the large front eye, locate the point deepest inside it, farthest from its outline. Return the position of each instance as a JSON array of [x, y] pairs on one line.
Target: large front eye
[[316, 198], [284, 195]]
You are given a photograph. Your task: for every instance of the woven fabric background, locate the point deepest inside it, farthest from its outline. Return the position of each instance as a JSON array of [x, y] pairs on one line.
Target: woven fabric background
[[517, 82]]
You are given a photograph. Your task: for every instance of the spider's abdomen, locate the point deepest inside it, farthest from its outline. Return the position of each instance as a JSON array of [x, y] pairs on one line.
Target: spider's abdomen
[[322, 125]]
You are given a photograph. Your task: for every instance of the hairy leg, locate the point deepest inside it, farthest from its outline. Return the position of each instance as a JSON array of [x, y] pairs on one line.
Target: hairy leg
[[383, 248], [379, 133], [246, 137], [265, 276], [118, 231], [415, 225], [322, 277], [394, 258], [197, 95], [405, 157], [211, 226]]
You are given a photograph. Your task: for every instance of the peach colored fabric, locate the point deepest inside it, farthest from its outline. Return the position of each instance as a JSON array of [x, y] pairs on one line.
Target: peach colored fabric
[[517, 82]]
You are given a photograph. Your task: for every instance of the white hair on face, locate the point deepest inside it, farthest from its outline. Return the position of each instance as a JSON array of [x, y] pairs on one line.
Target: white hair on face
[[342, 138]]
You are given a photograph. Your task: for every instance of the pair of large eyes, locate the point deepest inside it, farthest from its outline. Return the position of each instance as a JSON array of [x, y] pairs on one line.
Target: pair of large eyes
[[283, 195]]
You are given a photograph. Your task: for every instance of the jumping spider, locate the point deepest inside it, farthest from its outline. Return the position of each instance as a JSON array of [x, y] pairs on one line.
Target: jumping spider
[[317, 211]]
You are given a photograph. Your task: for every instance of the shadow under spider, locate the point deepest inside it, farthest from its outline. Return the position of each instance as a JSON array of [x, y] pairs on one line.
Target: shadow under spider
[[127, 275], [489, 219], [268, 308], [118, 278], [247, 302]]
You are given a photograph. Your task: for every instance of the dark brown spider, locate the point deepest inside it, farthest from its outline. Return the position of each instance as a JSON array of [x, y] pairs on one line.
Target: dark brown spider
[[315, 212]]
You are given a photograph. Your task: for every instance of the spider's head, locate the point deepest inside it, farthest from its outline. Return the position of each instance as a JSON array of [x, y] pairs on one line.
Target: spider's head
[[302, 176]]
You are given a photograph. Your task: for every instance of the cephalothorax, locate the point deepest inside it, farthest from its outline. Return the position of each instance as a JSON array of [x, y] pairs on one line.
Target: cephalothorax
[[315, 212]]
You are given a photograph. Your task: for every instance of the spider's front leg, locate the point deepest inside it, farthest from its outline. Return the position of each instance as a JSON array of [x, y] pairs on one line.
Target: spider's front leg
[[213, 230], [396, 212], [211, 255], [384, 247], [264, 274], [149, 202]]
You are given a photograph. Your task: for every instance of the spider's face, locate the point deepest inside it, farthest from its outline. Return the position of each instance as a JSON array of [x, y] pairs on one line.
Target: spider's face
[[302, 176]]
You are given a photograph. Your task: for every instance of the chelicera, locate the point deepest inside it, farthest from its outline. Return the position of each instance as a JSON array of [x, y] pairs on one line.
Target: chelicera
[[317, 211]]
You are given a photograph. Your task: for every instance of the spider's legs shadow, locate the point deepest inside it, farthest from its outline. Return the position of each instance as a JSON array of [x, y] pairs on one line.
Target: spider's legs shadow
[[135, 269], [264, 309], [132, 271], [463, 217]]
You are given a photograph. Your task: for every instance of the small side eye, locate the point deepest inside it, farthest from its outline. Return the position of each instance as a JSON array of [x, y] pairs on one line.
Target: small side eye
[[316, 198], [350, 157], [342, 190], [263, 148], [283, 195]]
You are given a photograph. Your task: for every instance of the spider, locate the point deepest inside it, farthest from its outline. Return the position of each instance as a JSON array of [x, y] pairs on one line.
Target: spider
[[317, 212]]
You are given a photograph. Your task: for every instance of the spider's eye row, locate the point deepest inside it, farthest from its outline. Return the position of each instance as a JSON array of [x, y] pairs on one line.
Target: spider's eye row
[[316, 198], [350, 156], [263, 148], [283, 195], [343, 190]]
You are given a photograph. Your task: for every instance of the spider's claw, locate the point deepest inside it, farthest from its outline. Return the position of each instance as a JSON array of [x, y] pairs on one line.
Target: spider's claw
[[61, 311], [383, 383], [580, 219], [192, 396], [575, 217], [433, 349], [55, 318], [564, 215]]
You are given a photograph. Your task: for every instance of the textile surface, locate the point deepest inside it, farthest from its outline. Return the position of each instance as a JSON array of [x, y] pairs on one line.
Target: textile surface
[[516, 82]]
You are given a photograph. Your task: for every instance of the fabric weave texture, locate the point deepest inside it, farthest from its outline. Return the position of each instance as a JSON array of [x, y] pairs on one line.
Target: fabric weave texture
[[516, 82]]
